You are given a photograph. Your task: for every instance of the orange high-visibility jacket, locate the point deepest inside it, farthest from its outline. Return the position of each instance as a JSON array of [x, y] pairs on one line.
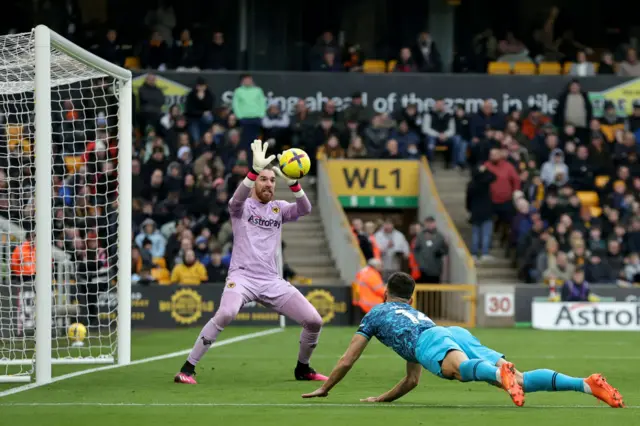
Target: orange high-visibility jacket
[[413, 265], [374, 247], [368, 288], [23, 259]]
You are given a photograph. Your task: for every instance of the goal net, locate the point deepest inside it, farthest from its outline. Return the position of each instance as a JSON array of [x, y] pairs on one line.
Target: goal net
[[65, 152]]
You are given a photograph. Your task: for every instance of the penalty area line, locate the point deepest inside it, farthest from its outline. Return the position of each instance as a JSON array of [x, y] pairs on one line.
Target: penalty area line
[[183, 352], [290, 405]]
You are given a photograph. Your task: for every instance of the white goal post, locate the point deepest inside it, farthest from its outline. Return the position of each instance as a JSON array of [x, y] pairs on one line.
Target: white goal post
[[65, 116]]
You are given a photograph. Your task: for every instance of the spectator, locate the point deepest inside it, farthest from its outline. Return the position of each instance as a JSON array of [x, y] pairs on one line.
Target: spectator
[[155, 53], [512, 46], [582, 68], [356, 149], [439, 128], [485, 119], [606, 65], [555, 171], [610, 123], [546, 260], [199, 108], [23, 260], [149, 232], [354, 58], [462, 137], [363, 239], [302, 125], [532, 125], [407, 139], [630, 67], [632, 270], [162, 20], [393, 247], [479, 205], [186, 56], [577, 289], [325, 42], [357, 112], [190, 271], [632, 123], [581, 172], [569, 47], [429, 251], [369, 286], [151, 102], [216, 271], [506, 183], [249, 106], [426, 54], [574, 107], [560, 272], [331, 149], [329, 62], [275, 125], [111, 50], [376, 135], [405, 61], [599, 272], [216, 55]]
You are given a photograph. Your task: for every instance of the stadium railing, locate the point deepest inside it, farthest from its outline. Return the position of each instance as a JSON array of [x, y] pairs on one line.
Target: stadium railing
[[461, 268], [344, 246]]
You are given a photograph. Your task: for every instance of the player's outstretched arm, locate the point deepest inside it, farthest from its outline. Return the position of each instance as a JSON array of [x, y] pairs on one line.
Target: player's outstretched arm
[[356, 347], [302, 207], [260, 161], [406, 385]]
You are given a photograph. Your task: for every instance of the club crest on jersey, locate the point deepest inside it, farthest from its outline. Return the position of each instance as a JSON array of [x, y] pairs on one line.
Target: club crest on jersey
[[262, 222], [275, 209], [231, 284]]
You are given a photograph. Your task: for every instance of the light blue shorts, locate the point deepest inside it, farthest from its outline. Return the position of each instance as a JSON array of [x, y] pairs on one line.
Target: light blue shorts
[[436, 342]]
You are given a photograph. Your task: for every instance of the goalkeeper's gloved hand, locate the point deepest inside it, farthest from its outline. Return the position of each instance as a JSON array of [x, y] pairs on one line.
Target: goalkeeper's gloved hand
[[290, 182], [259, 153]]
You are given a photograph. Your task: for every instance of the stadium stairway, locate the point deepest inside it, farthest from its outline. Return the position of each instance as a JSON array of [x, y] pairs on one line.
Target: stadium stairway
[[452, 188], [307, 251]]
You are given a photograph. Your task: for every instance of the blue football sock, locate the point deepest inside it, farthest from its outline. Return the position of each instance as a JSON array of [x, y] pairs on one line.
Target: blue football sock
[[477, 370], [551, 381]]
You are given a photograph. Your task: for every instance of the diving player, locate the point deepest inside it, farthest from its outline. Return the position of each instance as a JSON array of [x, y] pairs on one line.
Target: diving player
[[448, 352]]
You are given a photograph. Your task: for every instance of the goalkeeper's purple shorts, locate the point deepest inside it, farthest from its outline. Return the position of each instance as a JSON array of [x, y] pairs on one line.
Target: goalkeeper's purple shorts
[[273, 293]]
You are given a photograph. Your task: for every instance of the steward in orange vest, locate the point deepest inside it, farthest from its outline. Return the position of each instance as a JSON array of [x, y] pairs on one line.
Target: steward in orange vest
[[368, 287]]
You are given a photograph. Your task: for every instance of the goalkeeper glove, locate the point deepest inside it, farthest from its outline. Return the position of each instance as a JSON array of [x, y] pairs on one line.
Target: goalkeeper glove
[[259, 153], [290, 182]]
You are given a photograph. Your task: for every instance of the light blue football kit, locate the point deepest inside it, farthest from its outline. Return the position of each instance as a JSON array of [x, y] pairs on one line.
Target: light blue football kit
[[416, 338]]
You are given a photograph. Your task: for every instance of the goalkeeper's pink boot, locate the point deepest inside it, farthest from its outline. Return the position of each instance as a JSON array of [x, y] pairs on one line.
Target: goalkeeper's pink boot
[[184, 378], [304, 372]]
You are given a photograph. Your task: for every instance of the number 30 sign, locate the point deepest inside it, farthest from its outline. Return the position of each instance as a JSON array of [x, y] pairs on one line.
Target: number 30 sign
[[498, 304]]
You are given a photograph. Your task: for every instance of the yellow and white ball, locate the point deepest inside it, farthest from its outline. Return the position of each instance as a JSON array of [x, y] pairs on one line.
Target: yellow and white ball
[[77, 333], [295, 163]]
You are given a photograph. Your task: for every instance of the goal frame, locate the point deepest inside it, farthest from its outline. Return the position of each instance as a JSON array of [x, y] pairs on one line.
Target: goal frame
[[45, 39]]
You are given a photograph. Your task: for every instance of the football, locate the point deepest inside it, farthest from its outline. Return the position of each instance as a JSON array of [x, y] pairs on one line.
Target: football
[[77, 333], [295, 163]]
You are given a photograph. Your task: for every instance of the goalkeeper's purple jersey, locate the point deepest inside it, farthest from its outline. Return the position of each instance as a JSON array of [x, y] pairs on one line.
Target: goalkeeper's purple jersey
[[257, 232]]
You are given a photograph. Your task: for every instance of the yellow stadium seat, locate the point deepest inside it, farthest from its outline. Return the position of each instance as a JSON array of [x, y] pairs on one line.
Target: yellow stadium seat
[[595, 211], [601, 181], [132, 63], [596, 66], [162, 275], [159, 262], [526, 68], [549, 68], [499, 68], [588, 198], [441, 148], [374, 66], [73, 163], [567, 67], [391, 65]]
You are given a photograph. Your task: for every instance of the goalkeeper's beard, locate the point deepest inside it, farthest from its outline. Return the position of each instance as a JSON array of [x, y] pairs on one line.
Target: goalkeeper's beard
[[263, 194]]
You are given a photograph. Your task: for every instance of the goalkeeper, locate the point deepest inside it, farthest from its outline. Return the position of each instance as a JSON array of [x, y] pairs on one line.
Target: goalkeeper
[[257, 220]]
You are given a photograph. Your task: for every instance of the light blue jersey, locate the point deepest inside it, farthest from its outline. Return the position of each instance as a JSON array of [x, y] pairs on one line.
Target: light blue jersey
[[397, 326]]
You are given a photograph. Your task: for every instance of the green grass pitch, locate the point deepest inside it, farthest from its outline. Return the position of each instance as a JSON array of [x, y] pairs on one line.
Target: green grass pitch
[[251, 383]]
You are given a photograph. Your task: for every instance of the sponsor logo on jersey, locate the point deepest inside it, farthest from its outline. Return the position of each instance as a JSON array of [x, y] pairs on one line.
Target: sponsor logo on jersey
[[264, 223]]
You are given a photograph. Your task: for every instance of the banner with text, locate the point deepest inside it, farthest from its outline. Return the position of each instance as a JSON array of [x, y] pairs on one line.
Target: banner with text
[[527, 294], [390, 92], [375, 184], [189, 306], [607, 316]]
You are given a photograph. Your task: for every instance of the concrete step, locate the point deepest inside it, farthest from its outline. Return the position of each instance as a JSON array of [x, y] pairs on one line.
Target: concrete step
[[315, 233], [316, 272], [309, 259], [489, 274], [496, 263]]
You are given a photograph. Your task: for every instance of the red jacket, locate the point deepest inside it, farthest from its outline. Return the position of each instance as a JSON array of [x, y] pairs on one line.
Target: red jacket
[[507, 181]]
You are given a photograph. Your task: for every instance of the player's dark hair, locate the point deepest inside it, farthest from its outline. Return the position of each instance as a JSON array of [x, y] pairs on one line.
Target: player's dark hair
[[401, 285]]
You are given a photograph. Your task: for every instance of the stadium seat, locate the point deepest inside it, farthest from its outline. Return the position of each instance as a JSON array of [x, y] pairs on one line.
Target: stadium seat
[[588, 198], [132, 63], [596, 211], [391, 65], [73, 163], [549, 68], [441, 148], [525, 68], [567, 67], [601, 181], [596, 66], [160, 262], [499, 68], [373, 66], [162, 275]]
